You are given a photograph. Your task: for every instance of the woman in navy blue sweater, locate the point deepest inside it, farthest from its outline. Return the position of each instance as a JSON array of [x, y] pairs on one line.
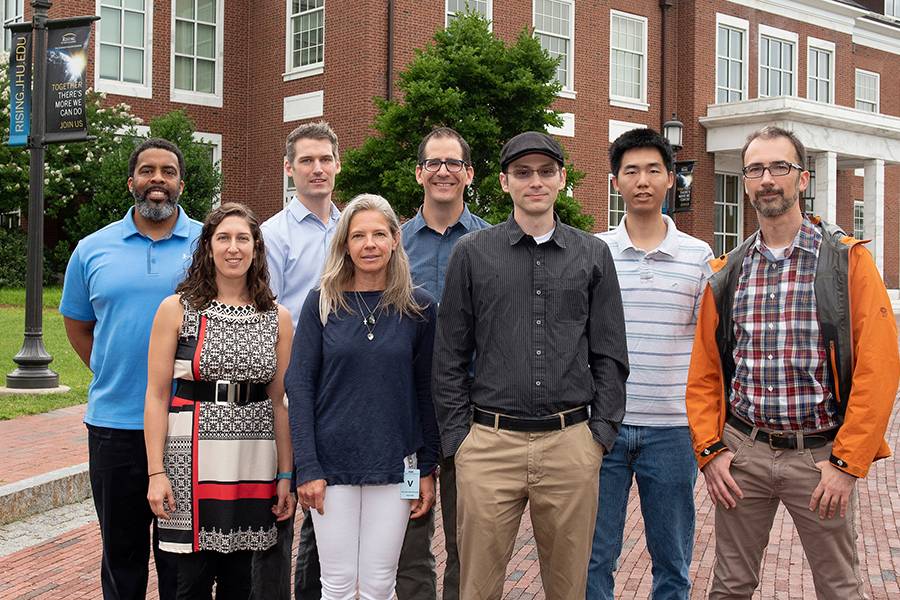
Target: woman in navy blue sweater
[[362, 419]]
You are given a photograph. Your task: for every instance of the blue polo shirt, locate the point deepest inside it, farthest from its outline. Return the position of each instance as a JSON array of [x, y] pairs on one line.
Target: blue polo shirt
[[429, 250], [118, 277]]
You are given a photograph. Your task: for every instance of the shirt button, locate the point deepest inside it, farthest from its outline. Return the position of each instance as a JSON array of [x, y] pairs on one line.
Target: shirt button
[[769, 357], [774, 266], [538, 322], [538, 352], [771, 420], [538, 292], [770, 388], [537, 383], [537, 262], [771, 325], [772, 296], [840, 463]]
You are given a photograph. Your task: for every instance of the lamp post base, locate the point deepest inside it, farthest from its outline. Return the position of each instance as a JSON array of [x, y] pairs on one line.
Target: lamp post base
[[33, 370]]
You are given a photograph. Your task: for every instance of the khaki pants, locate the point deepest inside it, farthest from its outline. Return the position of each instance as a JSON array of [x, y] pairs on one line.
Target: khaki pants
[[767, 477], [497, 472]]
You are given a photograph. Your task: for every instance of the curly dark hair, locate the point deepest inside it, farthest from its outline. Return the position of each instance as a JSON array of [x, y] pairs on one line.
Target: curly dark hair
[[199, 287]]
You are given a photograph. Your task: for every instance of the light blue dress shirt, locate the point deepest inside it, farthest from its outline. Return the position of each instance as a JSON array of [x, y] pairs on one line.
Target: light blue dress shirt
[[429, 250], [296, 247]]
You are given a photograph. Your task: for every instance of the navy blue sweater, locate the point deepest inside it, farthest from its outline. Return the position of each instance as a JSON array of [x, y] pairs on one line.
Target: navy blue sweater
[[358, 407]]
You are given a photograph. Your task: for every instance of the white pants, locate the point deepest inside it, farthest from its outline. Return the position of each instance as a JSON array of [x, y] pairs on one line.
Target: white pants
[[359, 539]]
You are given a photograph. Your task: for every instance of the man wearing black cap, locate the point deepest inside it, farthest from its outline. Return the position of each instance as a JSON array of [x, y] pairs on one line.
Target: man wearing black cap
[[538, 303]]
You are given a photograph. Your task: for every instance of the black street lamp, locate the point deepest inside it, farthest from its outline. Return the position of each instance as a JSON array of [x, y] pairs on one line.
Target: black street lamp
[[673, 130], [33, 360]]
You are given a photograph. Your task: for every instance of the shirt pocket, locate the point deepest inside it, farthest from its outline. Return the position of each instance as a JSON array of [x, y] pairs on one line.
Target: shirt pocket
[[568, 300]]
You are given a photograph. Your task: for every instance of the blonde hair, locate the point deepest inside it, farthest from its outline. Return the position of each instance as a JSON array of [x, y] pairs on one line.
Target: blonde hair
[[339, 268]]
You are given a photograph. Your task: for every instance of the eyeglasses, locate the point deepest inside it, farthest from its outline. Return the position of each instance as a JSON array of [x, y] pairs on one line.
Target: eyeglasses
[[776, 169], [453, 165], [524, 173]]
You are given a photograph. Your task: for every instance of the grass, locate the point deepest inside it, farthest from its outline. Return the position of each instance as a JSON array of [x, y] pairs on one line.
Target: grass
[[72, 371]]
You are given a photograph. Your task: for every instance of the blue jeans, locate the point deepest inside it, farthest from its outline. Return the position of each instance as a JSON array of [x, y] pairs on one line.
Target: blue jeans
[[662, 460]]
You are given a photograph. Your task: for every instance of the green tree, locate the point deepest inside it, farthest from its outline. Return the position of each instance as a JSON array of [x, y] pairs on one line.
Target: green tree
[[473, 82]]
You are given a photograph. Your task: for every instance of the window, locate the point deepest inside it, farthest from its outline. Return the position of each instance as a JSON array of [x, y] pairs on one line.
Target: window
[[616, 205], [12, 12], [892, 8], [859, 219], [554, 28], [482, 7], [212, 143], [123, 52], [867, 84], [731, 65], [11, 220], [820, 70], [777, 62], [306, 37], [197, 52], [729, 197], [628, 60]]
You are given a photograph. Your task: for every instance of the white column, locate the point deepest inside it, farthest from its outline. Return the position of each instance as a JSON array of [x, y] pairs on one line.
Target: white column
[[873, 196], [826, 186]]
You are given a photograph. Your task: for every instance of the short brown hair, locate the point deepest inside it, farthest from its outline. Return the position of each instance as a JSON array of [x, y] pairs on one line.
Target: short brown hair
[[771, 132], [317, 130], [445, 132]]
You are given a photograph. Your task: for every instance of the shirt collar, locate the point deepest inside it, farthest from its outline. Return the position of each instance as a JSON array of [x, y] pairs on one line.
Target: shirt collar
[[181, 229], [466, 219], [668, 245], [806, 240], [515, 233], [299, 211]]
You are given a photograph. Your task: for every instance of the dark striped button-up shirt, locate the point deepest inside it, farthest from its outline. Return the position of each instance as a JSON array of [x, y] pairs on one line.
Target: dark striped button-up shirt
[[545, 323]]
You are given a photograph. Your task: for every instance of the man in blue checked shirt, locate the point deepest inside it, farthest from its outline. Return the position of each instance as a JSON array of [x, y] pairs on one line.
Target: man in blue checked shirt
[[444, 170], [661, 275]]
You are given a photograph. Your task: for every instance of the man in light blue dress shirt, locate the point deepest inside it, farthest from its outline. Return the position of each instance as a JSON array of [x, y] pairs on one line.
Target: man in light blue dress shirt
[[297, 241], [443, 170]]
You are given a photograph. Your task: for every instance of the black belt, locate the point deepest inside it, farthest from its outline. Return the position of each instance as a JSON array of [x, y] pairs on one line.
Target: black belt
[[221, 391], [784, 440], [551, 423]]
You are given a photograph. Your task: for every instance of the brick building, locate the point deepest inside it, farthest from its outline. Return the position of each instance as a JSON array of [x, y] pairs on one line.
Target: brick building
[[249, 71]]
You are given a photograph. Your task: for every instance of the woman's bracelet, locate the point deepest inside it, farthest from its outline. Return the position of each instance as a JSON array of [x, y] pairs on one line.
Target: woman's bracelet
[[157, 473], [285, 475]]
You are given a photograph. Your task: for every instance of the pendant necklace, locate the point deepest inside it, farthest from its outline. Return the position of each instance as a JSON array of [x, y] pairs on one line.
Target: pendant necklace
[[370, 319]]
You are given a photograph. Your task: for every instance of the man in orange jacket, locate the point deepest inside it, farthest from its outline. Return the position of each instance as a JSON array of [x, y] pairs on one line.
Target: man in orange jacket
[[792, 380]]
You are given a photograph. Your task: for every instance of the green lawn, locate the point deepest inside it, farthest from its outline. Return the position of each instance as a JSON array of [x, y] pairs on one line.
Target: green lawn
[[65, 362]]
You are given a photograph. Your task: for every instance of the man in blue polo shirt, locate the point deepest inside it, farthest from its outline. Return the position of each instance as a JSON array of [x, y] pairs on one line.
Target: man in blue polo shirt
[[443, 169], [114, 283]]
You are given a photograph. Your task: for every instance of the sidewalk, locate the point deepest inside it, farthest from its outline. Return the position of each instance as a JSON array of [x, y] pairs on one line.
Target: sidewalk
[[66, 565]]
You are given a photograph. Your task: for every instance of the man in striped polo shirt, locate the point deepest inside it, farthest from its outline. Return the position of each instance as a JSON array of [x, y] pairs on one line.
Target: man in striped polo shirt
[[661, 274]]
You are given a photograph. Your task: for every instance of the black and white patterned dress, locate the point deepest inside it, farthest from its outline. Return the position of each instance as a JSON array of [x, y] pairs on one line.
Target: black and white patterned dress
[[221, 458]]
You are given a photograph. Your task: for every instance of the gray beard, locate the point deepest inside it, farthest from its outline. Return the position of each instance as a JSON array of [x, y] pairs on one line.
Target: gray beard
[[155, 211]]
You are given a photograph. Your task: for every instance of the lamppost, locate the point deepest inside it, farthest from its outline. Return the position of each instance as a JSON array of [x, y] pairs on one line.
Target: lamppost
[[673, 130]]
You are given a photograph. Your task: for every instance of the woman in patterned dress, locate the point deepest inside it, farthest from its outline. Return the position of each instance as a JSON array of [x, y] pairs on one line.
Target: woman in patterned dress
[[219, 449], [362, 419]]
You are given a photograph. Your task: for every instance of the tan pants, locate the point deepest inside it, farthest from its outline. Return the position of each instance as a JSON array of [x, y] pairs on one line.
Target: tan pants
[[497, 472], [767, 476]]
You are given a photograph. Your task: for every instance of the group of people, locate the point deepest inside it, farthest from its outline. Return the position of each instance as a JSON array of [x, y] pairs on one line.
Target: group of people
[[356, 367]]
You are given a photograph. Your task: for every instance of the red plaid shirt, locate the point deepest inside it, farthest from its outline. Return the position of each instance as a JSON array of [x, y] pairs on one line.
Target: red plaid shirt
[[780, 379]]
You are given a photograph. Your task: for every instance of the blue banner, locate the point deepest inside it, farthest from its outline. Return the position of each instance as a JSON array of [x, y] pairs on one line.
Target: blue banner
[[20, 84]]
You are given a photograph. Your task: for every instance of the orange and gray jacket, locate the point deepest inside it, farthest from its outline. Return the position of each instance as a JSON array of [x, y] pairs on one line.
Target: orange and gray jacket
[[860, 337]]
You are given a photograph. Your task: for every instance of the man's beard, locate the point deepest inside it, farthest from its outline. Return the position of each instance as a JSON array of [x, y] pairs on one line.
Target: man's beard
[[772, 209], [155, 211]]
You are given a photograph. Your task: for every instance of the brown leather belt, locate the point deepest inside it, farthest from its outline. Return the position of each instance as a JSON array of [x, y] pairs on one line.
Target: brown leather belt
[[784, 440]]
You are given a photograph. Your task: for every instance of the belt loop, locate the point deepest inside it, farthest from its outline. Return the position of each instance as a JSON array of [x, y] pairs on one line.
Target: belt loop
[[753, 433], [562, 421], [496, 422], [800, 441]]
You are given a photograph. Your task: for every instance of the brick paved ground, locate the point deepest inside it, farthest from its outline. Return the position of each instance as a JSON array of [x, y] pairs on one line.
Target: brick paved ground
[[66, 566]]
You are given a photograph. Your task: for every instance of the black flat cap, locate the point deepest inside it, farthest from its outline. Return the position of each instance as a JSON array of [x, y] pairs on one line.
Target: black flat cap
[[530, 142]]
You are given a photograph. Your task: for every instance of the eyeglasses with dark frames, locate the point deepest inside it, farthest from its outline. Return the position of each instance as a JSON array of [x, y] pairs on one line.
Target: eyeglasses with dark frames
[[779, 168], [453, 165]]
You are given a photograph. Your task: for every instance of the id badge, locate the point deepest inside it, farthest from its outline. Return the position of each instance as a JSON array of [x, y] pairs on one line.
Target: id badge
[[409, 489]]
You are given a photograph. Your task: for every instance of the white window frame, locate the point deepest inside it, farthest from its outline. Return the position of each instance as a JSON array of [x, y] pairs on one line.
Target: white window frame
[[739, 203], [568, 88], [193, 97], [892, 8], [859, 219], [620, 214], [624, 101], [291, 72], [489, 16], [124, 88], [6, 19], [857, 99], [781, 35], [743, 26], [821, 46]]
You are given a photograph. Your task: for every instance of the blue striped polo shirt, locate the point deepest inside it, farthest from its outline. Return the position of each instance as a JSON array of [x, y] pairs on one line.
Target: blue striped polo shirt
[[661, 292]]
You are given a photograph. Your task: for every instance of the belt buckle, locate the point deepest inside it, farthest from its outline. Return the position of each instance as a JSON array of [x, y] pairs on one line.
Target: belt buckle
[[229, 392], [776, 435]]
